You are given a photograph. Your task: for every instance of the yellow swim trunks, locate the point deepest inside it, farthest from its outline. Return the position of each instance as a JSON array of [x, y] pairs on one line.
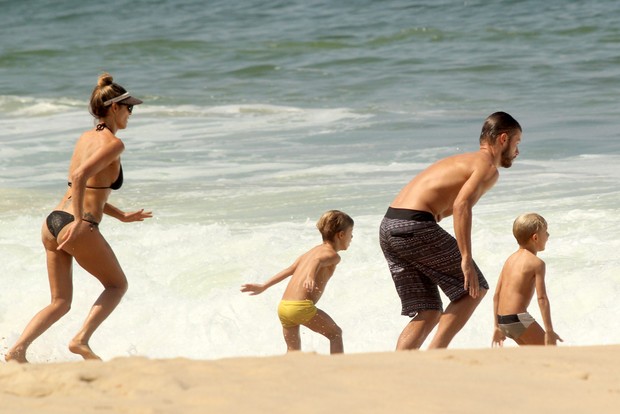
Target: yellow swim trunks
[[296, 312]]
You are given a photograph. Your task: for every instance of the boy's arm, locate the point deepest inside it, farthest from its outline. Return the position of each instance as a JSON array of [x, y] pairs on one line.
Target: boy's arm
[[315, 265], [545, 308], [498, 335], [256, 288]]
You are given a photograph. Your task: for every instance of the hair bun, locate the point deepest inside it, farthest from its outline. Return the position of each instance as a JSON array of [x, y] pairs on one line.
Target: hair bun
[[105, 79]]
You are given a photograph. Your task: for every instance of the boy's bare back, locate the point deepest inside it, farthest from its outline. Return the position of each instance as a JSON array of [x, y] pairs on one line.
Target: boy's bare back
[[312, 271], [517, 281]]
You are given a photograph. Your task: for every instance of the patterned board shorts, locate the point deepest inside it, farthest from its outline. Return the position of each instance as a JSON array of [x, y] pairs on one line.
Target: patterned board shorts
[[422, 257]]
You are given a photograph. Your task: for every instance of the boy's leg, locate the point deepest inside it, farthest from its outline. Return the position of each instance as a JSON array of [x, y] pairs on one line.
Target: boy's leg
[[533, 335], [416, 331], [322, 323], [292, 339], [454, 318]]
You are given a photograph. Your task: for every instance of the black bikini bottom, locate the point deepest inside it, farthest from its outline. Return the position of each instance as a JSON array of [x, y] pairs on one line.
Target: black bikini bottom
[[58, 219]]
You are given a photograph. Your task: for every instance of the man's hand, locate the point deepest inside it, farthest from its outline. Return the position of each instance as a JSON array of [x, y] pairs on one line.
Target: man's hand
[[471, 283]]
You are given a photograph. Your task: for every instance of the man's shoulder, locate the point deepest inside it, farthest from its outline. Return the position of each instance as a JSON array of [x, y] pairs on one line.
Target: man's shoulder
[[472, 159]]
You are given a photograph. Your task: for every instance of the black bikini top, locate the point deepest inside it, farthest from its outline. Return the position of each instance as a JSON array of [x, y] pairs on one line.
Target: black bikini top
[[118, 183]]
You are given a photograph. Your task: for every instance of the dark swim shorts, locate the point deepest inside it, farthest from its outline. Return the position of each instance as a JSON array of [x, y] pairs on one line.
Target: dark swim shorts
[[422, 257]]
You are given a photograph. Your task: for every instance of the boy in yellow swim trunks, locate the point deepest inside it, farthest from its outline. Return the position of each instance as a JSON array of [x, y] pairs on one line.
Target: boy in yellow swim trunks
[[311, 272], [523, 273]]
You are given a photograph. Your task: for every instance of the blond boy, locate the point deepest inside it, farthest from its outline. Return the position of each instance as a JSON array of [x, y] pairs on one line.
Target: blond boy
[[311, 272], [522, 274]]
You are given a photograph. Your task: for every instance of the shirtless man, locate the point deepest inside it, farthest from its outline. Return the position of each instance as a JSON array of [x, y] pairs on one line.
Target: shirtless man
[[422, 256]]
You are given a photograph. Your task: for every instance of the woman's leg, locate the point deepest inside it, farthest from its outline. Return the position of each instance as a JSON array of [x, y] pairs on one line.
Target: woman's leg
[[59, 268], [94, 254]]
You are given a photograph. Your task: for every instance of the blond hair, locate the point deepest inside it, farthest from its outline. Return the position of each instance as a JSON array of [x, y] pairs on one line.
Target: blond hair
[[526, 225], [333, 222], [105, 90]]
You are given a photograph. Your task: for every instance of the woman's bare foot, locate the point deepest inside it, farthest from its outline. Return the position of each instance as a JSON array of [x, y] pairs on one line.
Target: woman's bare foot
[[83, 350], [17, 355]]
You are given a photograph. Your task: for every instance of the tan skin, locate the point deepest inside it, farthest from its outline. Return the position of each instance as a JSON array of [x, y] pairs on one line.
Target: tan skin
[[310, 274], [95, 162], [451, 187], [523, 275]]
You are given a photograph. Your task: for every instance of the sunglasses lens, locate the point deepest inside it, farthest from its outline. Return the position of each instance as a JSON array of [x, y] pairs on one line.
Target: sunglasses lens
[[130, 108]]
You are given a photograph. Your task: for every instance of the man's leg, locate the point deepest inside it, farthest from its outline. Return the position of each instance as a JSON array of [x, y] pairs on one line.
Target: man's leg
[[416, 331], [454, 318]]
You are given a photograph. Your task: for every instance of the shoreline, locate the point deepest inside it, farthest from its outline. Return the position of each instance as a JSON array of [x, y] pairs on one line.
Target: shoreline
[[536, 379]]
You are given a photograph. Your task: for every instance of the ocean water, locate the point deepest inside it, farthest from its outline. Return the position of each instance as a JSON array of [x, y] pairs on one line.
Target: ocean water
[[260, 115]]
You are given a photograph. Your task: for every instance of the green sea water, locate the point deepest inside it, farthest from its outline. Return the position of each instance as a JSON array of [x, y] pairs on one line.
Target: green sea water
[[260, 115]]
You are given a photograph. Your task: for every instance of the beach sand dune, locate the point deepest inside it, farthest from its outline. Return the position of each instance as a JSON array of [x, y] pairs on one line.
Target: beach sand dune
[[535, 380]]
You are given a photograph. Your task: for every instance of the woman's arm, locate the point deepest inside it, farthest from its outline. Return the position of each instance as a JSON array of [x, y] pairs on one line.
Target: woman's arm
[[119, 214], [99, 160]]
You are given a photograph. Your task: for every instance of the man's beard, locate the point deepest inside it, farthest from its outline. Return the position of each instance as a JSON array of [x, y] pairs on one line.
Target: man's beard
[[506, 160]]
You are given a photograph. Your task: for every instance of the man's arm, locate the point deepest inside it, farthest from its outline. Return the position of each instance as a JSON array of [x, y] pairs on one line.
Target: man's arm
[[483, 177]]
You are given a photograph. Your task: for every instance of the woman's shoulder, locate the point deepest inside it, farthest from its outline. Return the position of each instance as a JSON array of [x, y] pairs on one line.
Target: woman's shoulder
[[91, 142]]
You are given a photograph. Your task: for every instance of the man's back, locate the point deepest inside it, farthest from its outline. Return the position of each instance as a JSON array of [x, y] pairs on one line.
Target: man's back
[[437, 187]]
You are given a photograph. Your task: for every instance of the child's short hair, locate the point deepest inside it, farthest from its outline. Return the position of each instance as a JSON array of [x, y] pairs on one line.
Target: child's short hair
[[526, 225], [332, 222]]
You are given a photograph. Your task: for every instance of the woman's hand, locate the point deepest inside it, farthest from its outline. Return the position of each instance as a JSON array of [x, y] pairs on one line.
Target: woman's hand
[[139, 215], [74, 230]]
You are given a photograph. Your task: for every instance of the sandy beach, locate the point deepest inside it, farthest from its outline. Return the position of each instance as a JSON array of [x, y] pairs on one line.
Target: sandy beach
[[534, 379]]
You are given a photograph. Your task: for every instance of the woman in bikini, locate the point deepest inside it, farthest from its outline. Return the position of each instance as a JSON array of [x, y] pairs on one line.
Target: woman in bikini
[[71, 231]]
